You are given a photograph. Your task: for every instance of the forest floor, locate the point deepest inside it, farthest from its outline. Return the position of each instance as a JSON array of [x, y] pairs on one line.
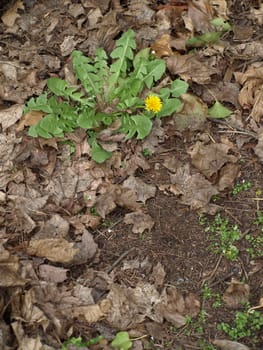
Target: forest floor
[[164, 239]]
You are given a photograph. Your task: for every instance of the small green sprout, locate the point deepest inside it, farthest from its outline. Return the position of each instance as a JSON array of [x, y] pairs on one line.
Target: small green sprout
[[245, 324], [225, 237], [241, 186], [78, 342]]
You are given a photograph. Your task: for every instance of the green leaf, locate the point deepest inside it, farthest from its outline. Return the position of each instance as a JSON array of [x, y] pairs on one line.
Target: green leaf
[[178, 87], [170, 106], [122, 341], [142, 55], [143, 125], [41, 103], [86, 72], [88, 119], [220, 24], [61, 88], [218, 111], [123, 54], [155, 70], [99, 154], [207, 38], [139, 124], [57, 86]]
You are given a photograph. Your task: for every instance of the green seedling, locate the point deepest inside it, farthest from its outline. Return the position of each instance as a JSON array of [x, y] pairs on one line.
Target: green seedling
[[208, 294], [122, 341], [225, 237], [245, 324], [241, 186], [79, 343], [220, 27], [205, 346], [255, 240], [107, 94], [146, 152], [195, 325]]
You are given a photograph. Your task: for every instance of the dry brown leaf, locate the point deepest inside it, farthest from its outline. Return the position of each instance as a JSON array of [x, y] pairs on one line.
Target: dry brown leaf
[[195, 190], [257, 14], [116, 195], [53, 249], [68, 45], [55, 227], [193, 114], [251, 94], [175, 306], [210, 158], [11, 15], [227, 176], [191, 67], [131, 306], [93, 313], [162, 47], [222, 91], [236, 293], [87, 248], [52, 273], [229, 345], [10, 116], [156, 136], [29, 119], [9, 269], [200, 12], [140, 221], [143, 191], [220, 7], [158, 275]]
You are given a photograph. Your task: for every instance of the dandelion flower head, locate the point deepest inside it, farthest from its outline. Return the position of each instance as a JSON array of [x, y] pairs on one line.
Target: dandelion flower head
[[153, 103]]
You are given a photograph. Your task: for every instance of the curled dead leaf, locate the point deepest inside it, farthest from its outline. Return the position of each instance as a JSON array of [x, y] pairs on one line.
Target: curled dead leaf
[[236, 293], [210, 158], [93, 313], [140, 221]]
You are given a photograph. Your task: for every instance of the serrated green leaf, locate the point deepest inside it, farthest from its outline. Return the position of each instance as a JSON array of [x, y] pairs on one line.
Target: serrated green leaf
[[123, 53], [179, 87], [57, 86], [41, 103], [170, 106], [155, 70], [122, 341], [218, 111], [142, 55], [86, 72]]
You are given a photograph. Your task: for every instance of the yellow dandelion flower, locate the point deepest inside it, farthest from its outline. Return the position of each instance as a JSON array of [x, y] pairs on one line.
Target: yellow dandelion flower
[[153, 103]]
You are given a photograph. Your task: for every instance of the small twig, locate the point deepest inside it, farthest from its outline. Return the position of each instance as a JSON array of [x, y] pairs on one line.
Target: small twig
[[120, 258], [212, 274], [235, 129]]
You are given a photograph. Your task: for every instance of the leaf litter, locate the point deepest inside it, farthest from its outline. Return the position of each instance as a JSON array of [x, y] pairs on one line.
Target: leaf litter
[[53, 202]]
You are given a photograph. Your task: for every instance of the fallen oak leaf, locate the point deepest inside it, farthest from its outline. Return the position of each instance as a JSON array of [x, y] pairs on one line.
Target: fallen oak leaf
[[140, 221], [236, 293], [11, 15]]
